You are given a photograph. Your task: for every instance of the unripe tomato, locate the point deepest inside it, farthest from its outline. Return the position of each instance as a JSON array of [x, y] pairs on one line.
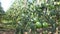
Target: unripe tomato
[[38, 25], [45, 24]]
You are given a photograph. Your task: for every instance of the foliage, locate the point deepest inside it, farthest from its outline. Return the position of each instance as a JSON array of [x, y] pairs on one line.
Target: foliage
[[27, 15]]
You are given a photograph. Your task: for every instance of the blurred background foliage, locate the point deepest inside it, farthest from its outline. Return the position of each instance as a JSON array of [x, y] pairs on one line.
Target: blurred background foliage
[[24, 15]]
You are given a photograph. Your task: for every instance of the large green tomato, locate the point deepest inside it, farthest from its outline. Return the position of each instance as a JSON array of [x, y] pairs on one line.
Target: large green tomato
[[38, 25], [45, 25]]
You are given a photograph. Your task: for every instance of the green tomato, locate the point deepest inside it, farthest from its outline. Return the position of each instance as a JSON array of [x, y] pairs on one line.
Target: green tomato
[[45, 24], [38, 25]]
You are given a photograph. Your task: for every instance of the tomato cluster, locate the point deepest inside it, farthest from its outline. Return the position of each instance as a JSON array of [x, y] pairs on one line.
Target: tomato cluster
[[41, 25]]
